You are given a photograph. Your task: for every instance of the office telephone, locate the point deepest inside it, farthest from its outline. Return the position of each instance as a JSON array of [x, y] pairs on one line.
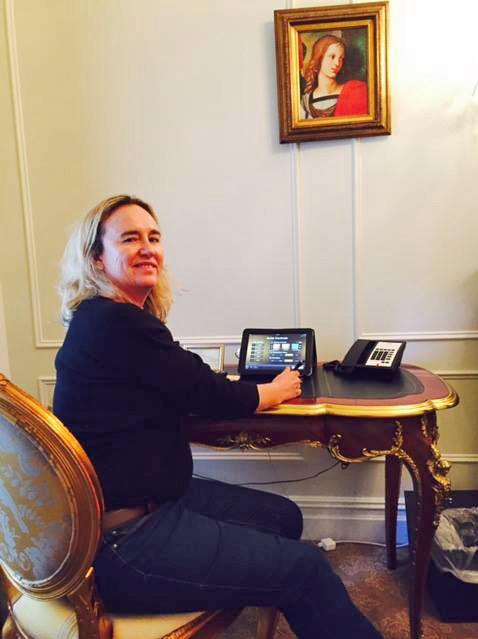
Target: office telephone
[[369, 357]]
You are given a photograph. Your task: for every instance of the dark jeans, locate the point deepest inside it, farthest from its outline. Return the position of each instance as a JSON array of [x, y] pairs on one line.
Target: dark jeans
[[223, 546]]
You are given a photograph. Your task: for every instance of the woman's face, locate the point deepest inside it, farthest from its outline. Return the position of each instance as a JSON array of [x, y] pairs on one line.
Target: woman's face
[[333, 61], [132, 255]]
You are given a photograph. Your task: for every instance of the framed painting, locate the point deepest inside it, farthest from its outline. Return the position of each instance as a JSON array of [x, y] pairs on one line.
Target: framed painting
[[332, 72]]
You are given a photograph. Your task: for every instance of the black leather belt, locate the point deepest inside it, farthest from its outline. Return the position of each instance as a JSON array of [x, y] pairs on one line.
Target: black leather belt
[[115, 518]]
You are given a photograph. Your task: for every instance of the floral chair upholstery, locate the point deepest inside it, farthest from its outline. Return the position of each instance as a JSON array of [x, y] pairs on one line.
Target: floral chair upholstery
[[51, 509]]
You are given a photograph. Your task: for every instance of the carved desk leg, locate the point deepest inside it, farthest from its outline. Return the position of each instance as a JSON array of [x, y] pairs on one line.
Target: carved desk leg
[[393, 470], [432, 487]]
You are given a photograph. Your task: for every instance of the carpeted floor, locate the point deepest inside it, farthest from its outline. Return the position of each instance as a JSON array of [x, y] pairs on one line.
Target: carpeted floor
[[380, 593]]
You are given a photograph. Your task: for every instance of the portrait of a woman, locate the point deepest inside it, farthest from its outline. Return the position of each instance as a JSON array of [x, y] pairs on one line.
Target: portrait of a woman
[[324, 94]]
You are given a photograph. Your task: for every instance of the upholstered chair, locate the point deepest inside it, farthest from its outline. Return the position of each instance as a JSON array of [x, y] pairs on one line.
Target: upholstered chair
[[51, 510]]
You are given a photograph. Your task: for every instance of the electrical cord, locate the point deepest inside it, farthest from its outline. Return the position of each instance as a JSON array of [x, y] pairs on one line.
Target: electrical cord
[[270, 483], [328, 544], [366, 543]]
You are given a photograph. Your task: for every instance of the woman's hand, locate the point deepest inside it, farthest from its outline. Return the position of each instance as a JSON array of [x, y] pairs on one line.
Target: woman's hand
[[286, 385]]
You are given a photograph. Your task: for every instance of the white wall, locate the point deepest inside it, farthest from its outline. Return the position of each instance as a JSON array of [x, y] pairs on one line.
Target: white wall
[[176, 102]]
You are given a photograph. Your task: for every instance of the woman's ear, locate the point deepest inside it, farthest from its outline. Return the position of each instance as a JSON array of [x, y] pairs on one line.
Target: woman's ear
[[98, 262]]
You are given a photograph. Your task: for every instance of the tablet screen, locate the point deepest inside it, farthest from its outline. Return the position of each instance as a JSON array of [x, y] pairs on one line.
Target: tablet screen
[[269, 351]]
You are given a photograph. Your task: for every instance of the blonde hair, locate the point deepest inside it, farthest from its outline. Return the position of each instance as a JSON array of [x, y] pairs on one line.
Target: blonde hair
[[81, 279], [318, 51]]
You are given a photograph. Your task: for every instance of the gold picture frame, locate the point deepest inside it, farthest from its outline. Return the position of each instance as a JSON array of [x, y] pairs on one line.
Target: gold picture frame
[[332, 72]]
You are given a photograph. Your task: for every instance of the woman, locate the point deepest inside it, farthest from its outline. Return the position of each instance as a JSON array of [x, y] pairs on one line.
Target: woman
[[173, 543], [324, 96]]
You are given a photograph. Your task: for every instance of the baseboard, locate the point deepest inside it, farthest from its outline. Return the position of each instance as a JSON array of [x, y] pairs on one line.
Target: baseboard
[[348, 518]]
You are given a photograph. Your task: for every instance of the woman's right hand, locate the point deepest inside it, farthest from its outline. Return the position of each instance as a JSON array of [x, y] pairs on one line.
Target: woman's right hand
[[284, 386]]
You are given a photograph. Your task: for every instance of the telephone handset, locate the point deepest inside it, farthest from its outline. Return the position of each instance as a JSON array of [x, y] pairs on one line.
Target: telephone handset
[[380, 358]]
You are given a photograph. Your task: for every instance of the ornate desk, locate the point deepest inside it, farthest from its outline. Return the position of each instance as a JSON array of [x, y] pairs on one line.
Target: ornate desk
[[357, 420]]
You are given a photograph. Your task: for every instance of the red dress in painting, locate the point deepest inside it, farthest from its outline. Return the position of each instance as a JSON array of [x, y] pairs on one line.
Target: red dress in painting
[[352, 100]]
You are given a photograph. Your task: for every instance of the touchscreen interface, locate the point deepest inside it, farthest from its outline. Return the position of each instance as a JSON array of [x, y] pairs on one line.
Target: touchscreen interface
[[275, 351]]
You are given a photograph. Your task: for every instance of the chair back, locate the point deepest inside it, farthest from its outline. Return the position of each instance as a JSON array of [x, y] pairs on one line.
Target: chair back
[[51, 509], [51, 503]]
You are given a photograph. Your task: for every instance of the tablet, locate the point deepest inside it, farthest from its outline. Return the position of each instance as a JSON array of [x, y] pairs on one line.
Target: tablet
[[267, 351]]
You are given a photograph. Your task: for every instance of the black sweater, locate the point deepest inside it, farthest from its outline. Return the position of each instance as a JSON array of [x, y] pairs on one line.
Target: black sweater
[[123, 386]]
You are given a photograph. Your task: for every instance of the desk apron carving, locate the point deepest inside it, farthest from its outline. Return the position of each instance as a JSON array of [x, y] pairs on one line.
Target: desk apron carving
[[245, 441]]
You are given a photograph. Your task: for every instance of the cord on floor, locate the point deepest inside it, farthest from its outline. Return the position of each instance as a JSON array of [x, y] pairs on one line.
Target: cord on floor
[[328, 544]]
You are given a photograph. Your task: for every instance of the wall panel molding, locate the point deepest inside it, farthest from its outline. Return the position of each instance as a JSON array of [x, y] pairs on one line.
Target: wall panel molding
[[338, 503], [455, 458], [4, 356], [296, 216], [46, 386], [356, 222], [357, 278], [201, 340], [221, 456], [348, 518], [40, 340], [422, 336], [456, 374], [237, 455]]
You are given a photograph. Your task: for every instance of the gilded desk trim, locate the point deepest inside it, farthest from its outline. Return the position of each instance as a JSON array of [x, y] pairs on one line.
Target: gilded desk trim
[[361, 410]]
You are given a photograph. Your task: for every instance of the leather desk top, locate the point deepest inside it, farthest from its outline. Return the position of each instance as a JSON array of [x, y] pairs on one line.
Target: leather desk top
[[413, 391]]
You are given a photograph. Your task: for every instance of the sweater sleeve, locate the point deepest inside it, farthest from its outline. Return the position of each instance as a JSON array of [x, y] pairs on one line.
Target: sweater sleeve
[[142, 347]]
